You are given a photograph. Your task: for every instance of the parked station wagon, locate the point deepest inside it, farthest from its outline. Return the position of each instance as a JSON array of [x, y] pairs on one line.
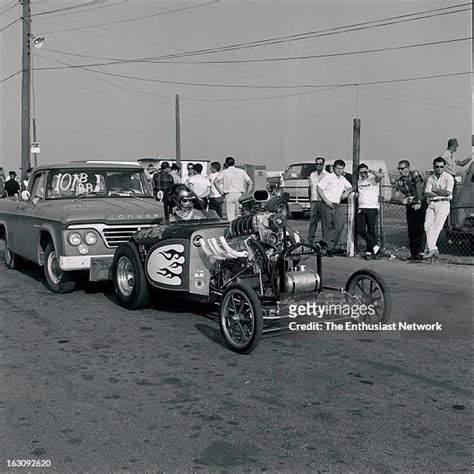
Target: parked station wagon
[[73, 217]]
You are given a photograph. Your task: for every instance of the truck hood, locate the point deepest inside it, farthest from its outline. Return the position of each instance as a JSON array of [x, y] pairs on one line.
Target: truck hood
[[108, 210]]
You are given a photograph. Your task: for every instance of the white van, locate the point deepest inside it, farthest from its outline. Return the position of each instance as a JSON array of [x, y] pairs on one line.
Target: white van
[[296, 182]]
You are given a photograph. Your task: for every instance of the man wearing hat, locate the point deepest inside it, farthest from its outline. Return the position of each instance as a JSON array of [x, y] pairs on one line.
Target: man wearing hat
[[12, 187], [162, 180]]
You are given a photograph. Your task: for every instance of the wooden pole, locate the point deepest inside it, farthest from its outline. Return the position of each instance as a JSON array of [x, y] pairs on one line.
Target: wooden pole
[[35, 155], [25, 91], [178, 133], [355, 179]]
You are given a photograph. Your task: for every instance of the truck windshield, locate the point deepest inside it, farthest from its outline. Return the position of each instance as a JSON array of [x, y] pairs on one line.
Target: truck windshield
[[301, 171], [71, 183]]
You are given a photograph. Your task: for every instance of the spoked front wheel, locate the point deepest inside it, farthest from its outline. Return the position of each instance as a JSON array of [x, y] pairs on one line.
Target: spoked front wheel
[[366, 287], [241, 318]]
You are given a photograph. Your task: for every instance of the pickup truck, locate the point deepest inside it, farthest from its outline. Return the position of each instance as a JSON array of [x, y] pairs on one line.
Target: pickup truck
[[72, 218]]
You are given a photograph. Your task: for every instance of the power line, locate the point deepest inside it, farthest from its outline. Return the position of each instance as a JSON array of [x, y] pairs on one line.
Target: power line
[[135, 91], [365, 83], [9, 24], [321, 33], [74, 7], [10, 56], [138, 18], [115, 61], [148, 41], [301, 36], [7, 8], [10, 76]]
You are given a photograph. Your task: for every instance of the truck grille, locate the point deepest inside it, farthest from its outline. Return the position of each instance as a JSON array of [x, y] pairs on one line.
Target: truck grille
[[116, 235], [298, 199]]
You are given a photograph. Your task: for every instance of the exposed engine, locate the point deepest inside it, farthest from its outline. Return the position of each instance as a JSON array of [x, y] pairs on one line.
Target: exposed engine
[[258, 249]]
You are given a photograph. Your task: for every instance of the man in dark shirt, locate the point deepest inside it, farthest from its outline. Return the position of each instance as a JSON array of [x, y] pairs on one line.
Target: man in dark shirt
[[162, 180], [410, 187], [11, 186]]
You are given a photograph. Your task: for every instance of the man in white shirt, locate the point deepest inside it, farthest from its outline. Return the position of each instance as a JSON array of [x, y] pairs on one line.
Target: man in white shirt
[[190, 169], [368, 208], [332, 188], [315, 199], [439, 192], [451, 162], [199, 184], [450, 168], [232, 183], [215, 198]]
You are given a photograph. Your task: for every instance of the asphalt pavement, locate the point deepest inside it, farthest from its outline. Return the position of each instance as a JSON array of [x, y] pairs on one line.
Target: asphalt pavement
[[93, 387]]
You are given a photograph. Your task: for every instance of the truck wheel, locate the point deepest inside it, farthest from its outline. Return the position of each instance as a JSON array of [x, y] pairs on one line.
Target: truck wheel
[[131, 286], [11, 259], [57, 280], [241, 318], [298, 215], [369, 288], [282, 208]]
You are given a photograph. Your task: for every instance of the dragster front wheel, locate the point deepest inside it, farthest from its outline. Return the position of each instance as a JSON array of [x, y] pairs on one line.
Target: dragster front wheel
[[241, 318], [129, 278], [369, 288]]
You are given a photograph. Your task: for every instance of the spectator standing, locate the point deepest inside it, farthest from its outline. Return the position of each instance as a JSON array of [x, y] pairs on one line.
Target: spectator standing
[[175, 173], [215, 198], [410, 185], [315, 199], [27, 180], [232, 183], [200, 185], [439, 191], [190, 169], [332, 189], [450, 168], [368, 207], [448, 157], [162, 180], [12, 188]]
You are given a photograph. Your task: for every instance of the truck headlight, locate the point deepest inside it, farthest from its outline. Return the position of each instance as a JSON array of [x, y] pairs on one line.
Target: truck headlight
[[83, 249], [90, 238], [74, 238]]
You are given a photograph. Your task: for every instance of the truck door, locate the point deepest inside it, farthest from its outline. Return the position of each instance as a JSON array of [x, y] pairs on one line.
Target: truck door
[[28, 223]]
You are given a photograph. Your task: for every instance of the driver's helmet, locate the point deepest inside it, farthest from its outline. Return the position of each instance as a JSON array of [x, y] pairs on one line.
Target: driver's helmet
[[182, 198]]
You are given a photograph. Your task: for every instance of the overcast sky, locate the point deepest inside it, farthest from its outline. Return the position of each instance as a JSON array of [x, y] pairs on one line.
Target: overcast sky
[[277, 113]]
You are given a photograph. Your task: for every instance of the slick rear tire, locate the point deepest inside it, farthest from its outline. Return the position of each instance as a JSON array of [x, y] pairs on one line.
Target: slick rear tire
[[58, 281], [130, 283]]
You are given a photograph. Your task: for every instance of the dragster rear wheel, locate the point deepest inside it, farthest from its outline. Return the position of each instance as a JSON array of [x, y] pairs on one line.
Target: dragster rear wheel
[[241, 318], [370, 289]]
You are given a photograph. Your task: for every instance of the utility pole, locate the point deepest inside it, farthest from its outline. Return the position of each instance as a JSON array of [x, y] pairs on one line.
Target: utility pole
[[25, 91], [178, 134], [352, 202]]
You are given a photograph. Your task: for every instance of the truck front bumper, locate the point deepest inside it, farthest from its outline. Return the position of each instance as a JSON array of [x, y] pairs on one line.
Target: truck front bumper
[[299, 207], [99, 266]]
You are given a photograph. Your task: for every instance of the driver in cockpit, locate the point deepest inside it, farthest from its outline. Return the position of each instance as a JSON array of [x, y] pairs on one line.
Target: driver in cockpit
[[183, 206]]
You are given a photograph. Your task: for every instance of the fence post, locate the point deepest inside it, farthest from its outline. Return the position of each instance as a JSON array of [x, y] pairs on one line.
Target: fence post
[[381, 202]]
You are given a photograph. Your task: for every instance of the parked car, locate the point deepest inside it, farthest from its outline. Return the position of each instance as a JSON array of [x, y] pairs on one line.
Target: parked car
[[73, 217]]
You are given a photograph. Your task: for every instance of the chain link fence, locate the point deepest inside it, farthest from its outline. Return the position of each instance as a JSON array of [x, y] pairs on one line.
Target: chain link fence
[[456, 240]]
